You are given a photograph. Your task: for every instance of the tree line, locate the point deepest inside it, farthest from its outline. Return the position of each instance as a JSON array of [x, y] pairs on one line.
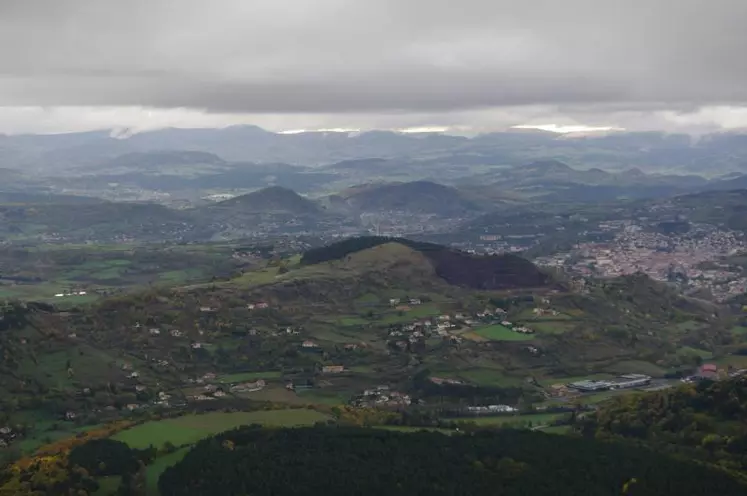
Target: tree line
[[350, 460]]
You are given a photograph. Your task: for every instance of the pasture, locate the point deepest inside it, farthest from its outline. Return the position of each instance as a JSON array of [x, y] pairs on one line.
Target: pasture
[[250, 376], [497, 332], [160, 464], [189, 429]]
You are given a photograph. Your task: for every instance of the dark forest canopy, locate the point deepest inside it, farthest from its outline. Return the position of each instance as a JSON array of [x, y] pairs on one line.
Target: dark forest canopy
[[455, 267], [345, 461]]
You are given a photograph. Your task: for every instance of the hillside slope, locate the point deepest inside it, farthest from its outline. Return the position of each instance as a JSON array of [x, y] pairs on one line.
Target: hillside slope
[[416, 197], [453, 266]]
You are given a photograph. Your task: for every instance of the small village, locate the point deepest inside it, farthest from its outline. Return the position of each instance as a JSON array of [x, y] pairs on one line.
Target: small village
[[450, 327]]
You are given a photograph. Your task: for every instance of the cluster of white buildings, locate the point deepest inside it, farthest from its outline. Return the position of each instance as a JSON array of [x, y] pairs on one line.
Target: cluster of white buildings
[[491, 409], [382, 396]]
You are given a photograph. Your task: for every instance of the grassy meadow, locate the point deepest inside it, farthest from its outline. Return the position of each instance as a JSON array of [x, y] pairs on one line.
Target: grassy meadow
[[189, 429], [498, 332]]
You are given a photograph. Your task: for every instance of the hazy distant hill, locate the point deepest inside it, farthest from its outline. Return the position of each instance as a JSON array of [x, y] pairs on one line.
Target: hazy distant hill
[[725, 208], [12, 197], [653, 151], [732, 183], [160, 159], [274, 199], [204, 172], [554, 171], [553, 181], [416, 197], [100, 221]]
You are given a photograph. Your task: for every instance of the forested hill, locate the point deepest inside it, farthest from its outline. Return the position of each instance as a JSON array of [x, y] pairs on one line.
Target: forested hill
[[341, 249], [707, 421], [344, 461], [454, 266]]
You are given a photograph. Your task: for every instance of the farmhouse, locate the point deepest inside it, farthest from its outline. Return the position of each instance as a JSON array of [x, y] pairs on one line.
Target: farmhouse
[[309, 344], [333, 369]]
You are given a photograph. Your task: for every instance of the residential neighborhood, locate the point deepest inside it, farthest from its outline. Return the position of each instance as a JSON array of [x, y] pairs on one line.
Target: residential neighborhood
[[695, 259]]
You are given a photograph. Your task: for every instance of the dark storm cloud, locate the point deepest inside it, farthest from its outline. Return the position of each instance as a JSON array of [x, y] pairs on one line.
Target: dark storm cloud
[[342, 56]]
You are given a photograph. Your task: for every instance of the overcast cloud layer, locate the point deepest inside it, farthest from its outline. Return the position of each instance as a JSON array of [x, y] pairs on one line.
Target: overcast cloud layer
[[288, 64]]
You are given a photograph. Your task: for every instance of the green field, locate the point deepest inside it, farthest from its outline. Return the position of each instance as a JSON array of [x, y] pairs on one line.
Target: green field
[[497, 332], [160, 464], [350, 320], [487, 377], [191, 428], [550, 327], [323, 397], [249, 376], [688, 350], [557, 429], [739, 361], [689, 325], [407, 428], [636, 367]]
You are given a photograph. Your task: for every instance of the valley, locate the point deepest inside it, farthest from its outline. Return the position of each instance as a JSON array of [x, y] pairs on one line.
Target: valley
[[534, 297], [363, 248]]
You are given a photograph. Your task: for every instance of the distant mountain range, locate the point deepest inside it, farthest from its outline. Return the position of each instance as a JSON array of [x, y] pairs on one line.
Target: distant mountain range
[[710, 155], [188, 164]]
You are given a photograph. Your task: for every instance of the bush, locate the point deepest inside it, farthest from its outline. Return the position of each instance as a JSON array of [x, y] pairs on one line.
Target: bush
[[103, 457]]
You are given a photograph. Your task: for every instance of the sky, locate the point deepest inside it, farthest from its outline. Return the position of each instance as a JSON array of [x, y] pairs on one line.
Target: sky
[[472, 65]]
